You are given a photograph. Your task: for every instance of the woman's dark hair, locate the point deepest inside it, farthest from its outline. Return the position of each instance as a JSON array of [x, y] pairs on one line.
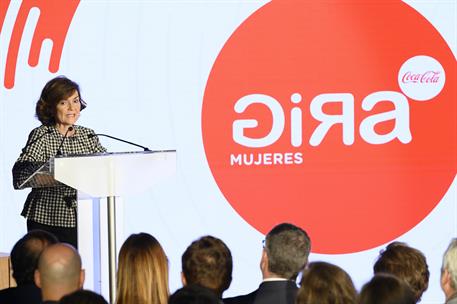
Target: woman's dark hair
[[385, 288], [83, 297], [325, 283], [194, 294], [407, 264], [208, 262], [55, 90]]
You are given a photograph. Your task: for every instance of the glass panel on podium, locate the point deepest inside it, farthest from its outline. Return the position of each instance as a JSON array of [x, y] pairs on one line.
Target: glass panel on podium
[[42, 177]]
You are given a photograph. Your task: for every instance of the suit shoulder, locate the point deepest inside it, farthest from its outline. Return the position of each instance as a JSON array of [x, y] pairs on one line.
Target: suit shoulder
[[243, 299]]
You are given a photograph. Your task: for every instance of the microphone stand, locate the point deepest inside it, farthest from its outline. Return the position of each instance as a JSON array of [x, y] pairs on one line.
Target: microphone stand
[[125, 141], [59, 152]]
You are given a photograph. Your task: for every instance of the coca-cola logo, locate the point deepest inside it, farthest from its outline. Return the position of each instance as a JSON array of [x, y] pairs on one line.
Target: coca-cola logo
[[308, 117], [421, 77], [427, 77]]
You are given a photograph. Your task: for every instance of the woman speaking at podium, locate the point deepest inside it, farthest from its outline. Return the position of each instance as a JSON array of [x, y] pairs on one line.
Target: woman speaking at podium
[[54, 208]]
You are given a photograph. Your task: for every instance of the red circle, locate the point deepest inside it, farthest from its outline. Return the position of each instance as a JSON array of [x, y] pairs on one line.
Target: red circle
[[348, 197]]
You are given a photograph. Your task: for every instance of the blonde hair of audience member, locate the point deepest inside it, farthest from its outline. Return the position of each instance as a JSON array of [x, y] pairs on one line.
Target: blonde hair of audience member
[[385, 288], [59, 271], [324, 283], [142, 275], [448, 280]]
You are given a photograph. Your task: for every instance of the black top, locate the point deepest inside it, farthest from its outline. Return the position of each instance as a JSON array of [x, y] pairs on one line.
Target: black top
[[25, 294]]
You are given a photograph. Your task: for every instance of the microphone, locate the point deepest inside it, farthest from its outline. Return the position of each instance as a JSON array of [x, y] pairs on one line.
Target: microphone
[[125, 141], [30, 143], [59, 152]]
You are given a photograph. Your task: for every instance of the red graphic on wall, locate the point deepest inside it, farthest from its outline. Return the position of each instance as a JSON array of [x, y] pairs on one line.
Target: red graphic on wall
[[53, 23], [304, 120]]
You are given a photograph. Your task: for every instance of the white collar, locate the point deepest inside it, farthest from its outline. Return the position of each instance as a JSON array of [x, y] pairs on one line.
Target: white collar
[[274, 279]]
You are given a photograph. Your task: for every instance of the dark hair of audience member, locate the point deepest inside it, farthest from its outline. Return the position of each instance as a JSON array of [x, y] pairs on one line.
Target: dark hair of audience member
[[83, 297], [194, 294], [142, 275], [324, 283], [287, 247], [26, 252], [406, 263], [385, 288], [208, 262]]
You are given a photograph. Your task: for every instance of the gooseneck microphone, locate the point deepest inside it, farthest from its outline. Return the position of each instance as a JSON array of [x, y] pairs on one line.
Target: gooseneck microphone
[[31, 143], [125, 141], [59, 152]]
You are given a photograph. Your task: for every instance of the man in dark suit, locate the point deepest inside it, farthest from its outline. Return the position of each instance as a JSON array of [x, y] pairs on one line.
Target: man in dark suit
[[24, 261], [285, 254]]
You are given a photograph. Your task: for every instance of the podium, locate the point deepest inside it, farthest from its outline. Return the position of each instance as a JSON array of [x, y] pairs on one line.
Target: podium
[[106, 175]]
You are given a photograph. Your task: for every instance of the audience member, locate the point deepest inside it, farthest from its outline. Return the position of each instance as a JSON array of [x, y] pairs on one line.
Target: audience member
[[82, 296], [142, 275], [24, 261], [284, 255], [407, 264], [208, 262], [59, 272], [385, 288], [449, 273], [194, 294], [324, 283]]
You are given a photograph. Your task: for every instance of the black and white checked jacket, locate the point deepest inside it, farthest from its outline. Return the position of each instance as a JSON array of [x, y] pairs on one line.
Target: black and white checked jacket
[[54, 206]]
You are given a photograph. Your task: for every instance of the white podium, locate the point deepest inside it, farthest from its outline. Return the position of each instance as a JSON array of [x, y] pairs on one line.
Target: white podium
[[110, 176]]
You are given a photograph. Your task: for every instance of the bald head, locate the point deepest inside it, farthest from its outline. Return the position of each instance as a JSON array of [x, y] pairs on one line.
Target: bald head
[[59, 271]]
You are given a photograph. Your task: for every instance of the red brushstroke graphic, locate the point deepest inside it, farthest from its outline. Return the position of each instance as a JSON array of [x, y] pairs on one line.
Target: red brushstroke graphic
[[3, 9], [53, 23]]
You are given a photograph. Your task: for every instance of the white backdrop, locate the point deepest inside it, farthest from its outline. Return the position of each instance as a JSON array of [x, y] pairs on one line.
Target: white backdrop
[[143, 67]]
